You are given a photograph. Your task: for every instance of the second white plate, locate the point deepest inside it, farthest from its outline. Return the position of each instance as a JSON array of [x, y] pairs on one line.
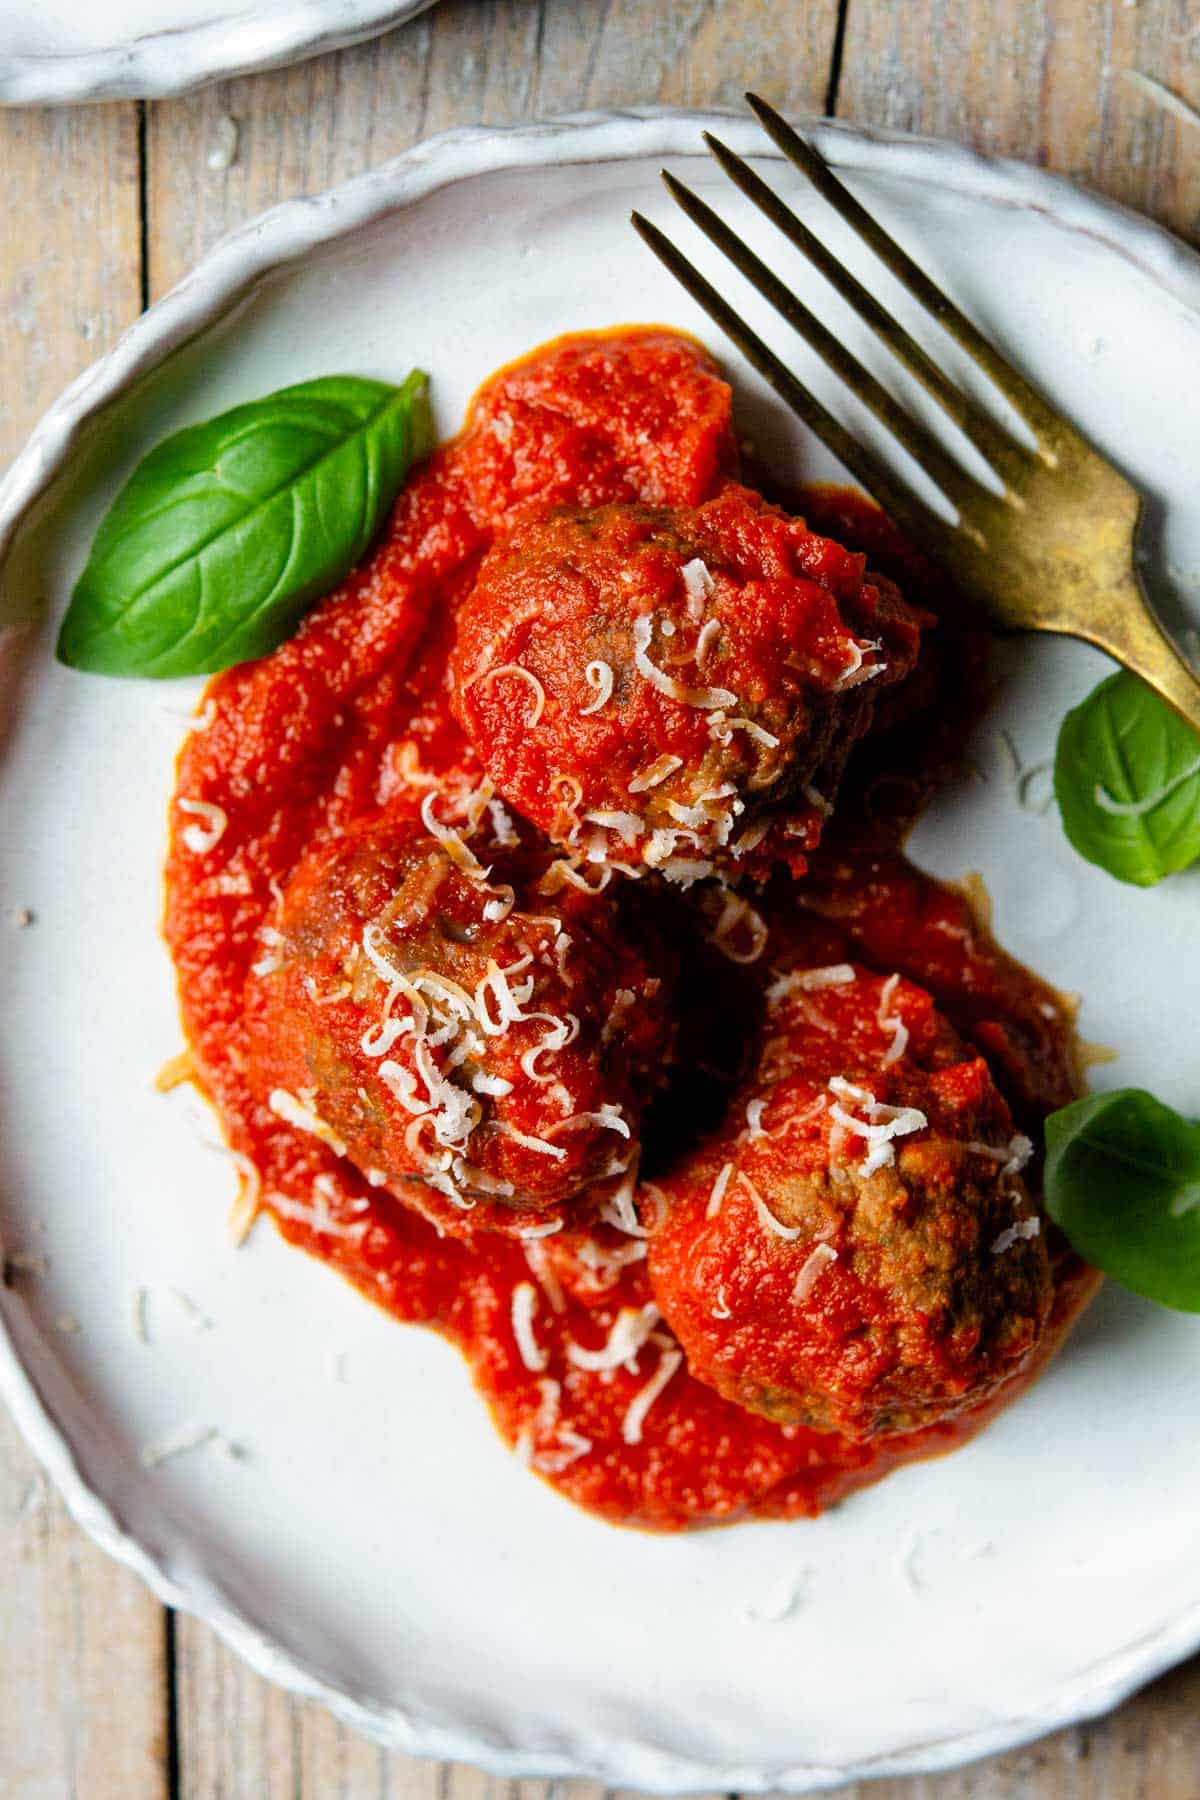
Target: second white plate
[[60, 50]]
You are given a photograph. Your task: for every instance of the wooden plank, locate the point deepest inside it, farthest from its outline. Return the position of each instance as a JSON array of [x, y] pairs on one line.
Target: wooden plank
[[82, 1642], [1046, 80], [499, 61]]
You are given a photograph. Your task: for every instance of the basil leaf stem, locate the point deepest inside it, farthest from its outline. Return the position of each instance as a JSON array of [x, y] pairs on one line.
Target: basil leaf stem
[[227, 532]]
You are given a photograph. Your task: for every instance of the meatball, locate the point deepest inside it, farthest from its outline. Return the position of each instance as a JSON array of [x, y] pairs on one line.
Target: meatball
[[856, 1250], [676, 688], [446, 1024]]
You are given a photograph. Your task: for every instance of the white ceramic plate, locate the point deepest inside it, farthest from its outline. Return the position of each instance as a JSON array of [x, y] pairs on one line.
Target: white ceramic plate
[[63, 50], [377, 1546]]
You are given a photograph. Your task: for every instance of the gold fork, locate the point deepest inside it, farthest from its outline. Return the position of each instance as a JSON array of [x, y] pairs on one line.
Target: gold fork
[[1053, 551]]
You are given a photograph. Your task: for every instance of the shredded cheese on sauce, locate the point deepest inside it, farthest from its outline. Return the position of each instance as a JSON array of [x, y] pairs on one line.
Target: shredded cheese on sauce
[[285, 1106], [539, 692], [699, 587], [765, 1216], [599, 677], [854, 673], [654, 773], [547, 1229], [737, 913], [608, 1118], [524, 1304], [1013, 1156], [706, 697], [539, 1262], [718, 1192], [886, 1122], [628, 1333], [527, 1142], [1023, 1229], [635, 1418], [627, 825], [619, 1210], [723, 728], [460, 855], [207, 835], [809, 980], [890, 1021], [813, 1267]]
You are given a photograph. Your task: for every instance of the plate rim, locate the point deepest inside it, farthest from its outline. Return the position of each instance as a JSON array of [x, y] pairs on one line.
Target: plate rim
[[216, 286], [159, 65]]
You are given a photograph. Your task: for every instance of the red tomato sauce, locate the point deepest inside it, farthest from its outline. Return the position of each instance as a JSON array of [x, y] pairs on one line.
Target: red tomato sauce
[[350, 721]]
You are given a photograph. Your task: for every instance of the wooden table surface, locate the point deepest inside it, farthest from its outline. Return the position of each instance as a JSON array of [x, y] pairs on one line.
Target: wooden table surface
[[102, 1694]]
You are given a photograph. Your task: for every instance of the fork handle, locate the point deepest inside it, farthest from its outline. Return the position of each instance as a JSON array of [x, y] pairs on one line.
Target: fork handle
[[1131, 633]]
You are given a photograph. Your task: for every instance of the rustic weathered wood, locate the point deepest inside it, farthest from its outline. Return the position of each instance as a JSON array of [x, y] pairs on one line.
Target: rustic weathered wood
[[467, 61], [82, 1670], [1043, 81], [82, 1643]]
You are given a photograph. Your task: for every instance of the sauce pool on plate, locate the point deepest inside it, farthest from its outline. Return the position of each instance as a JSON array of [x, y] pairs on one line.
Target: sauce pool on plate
[[356, 726]]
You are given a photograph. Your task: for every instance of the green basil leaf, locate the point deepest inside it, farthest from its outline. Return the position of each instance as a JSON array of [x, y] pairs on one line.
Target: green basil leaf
[[1123, 1181], [1127, 778], [227, 532]]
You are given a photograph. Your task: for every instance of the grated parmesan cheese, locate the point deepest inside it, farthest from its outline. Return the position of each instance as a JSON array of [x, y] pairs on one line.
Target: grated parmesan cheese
[[539, 692], [635, 1418], [765, 1216], [889, 1021], [524, 1303], [654, 773], [599, 677], [1023, 1229], [808, 980], [886, 1122], [706, 697], [699, 587], [285, 1106], [811, 1270], [718, 1192], [207, 835], [628, 1333], [736, 913]]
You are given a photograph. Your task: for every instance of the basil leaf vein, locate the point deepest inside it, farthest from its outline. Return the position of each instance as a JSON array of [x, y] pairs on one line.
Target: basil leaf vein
[[1127, 780], [1123, 1181], [227, 532]]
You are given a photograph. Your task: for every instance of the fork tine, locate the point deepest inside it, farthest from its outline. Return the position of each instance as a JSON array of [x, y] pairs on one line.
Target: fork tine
[[1036, 411], [907, 511], [993, 443], [922, 446]]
